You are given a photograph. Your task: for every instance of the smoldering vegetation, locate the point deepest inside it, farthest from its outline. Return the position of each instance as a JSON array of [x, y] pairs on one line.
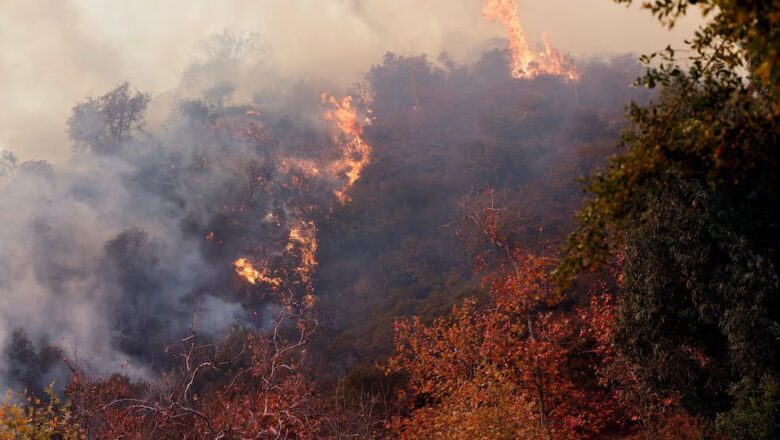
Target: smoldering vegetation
[[442, 132], [131, 245]]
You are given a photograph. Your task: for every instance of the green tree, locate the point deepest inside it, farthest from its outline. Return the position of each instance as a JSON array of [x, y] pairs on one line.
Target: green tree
[[690, 209], [755, 412]]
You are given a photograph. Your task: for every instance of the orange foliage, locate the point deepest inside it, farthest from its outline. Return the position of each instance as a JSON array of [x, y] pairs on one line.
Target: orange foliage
[[251, 391], [478, 373], [513, 368], [249, 386]]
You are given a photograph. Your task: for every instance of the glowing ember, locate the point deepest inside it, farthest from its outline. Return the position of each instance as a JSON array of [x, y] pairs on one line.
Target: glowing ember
[[247, 271], [527, 63], [307, 167], [356, 153]]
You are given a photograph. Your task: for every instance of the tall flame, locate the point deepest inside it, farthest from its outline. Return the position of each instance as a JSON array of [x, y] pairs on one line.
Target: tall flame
[[304, 237], [527, 63], [356, 153]]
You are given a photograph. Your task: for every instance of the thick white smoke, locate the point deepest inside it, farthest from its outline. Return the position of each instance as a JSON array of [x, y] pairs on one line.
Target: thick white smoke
[[53, 53]]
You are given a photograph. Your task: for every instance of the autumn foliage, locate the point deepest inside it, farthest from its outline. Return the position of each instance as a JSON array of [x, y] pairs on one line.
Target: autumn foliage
[[526, 360], [24, 417], [249, 386], [245, 396], [520, 366]]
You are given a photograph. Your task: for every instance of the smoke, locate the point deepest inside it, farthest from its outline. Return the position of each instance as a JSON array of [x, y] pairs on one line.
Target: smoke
[[53, 53], [130, 242], [97, 267], [442, 130]]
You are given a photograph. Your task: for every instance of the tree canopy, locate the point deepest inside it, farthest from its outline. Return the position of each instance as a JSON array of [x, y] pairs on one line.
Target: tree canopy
[[689, 209]]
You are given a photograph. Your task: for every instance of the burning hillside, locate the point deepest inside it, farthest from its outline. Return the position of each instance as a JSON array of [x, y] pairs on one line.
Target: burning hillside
[[244, 216], [259, 250]]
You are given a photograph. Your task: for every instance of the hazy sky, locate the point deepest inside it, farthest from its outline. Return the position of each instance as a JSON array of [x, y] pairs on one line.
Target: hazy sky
[[55, 52]]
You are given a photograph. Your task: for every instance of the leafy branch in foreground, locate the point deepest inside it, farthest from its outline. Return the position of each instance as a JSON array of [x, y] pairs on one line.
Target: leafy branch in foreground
[[29, 418]]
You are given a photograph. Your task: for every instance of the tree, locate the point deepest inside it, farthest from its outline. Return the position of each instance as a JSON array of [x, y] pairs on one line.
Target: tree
[[520, 366], [689, 210], [755, 413], [8, 164], [102, 124], [25, 365]]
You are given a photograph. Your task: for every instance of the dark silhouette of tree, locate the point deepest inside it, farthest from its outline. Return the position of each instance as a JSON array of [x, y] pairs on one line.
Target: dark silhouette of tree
[[102, 124]]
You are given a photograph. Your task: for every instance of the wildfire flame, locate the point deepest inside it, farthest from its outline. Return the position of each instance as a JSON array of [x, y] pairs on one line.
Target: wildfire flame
[[301, 245], [304, 237], [307, 167], [356, 153], [247, 271], [527, 63]]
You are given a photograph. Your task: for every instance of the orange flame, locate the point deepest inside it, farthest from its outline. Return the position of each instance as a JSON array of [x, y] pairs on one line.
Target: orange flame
[[356, 153], [247, 271], [527, 63], [307, 167], [302, 243], [304, 237]]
